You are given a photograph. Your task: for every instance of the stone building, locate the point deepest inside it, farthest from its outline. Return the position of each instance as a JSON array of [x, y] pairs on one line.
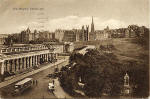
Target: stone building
[[24, 57], [78, 33], [36, 35], [69, 36], [46, 35], [27, 36], [27, 56], [82, 34], [72, 35], [86, 34], [59, 35], [102, 34]]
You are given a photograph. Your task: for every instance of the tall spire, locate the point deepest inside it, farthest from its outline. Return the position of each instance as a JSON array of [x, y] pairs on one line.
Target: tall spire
[[92, 25], [92, 20]]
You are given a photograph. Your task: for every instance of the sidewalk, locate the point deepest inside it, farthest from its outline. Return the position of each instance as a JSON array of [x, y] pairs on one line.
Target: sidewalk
[[59, 92], [17, 78]]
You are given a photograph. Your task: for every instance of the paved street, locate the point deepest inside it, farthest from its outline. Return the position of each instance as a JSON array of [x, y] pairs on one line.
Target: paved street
[[37, 91], [59, 92]]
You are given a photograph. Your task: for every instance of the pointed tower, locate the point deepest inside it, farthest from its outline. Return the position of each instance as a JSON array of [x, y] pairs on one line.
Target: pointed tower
[[28, 30], [87, 33], [92, 26]]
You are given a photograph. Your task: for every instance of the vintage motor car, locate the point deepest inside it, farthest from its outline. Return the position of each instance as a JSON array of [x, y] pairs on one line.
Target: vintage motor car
[[51, 87]]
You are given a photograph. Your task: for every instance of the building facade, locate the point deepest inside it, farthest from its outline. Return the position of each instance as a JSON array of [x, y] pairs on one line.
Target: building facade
[[27, 36], [19, 58], [27, 58], [59, 35], [69, 36]]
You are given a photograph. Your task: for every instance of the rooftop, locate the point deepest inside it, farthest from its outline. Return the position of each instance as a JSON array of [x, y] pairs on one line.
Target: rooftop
[[24, 81], [20, 55]]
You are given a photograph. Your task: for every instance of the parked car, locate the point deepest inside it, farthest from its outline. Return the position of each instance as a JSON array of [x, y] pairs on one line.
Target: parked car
[[50, 75], [51, 87], [57, 74]]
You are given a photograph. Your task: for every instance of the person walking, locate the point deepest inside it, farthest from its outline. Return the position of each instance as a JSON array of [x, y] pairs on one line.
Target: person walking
[[53, 81], [33, 82], [36, 82]]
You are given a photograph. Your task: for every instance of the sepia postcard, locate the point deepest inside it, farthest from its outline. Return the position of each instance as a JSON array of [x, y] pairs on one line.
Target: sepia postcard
[[74, 49]]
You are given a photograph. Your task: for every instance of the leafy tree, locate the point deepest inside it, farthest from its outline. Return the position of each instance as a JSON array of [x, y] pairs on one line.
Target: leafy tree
[[104, 73], [8, 41]]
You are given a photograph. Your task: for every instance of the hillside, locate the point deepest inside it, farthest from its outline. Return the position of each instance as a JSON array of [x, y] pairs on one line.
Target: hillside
[[128, 50], [125, 48], [103, 73]]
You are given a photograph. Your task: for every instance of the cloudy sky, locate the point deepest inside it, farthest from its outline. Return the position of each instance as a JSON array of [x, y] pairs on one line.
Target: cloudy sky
[[68, 14]]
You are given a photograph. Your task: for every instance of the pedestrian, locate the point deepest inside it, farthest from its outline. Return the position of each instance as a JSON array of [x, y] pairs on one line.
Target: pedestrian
[[36, 82], [33, 82], [53, 81]]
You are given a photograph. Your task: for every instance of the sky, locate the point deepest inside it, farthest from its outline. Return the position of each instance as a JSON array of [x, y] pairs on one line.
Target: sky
[[18, 15]]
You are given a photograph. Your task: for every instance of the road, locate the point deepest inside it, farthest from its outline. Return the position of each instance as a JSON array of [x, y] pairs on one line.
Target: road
[[37, 91], [59, 92]]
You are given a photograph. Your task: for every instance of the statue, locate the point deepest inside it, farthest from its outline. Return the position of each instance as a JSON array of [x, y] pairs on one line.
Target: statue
[[126, 87]]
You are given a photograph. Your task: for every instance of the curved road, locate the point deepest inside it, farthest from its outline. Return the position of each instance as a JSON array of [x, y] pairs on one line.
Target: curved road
[[37, 91]]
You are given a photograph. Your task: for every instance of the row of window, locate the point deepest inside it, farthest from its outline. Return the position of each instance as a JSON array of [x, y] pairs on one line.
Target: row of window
[[21, 49]]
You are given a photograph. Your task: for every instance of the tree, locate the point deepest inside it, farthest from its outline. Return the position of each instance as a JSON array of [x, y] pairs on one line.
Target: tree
[[104, 73], [9, 41], [98, 72]]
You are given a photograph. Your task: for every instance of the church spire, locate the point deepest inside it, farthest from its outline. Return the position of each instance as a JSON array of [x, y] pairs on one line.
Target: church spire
[[92, 25], [92, 20]]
